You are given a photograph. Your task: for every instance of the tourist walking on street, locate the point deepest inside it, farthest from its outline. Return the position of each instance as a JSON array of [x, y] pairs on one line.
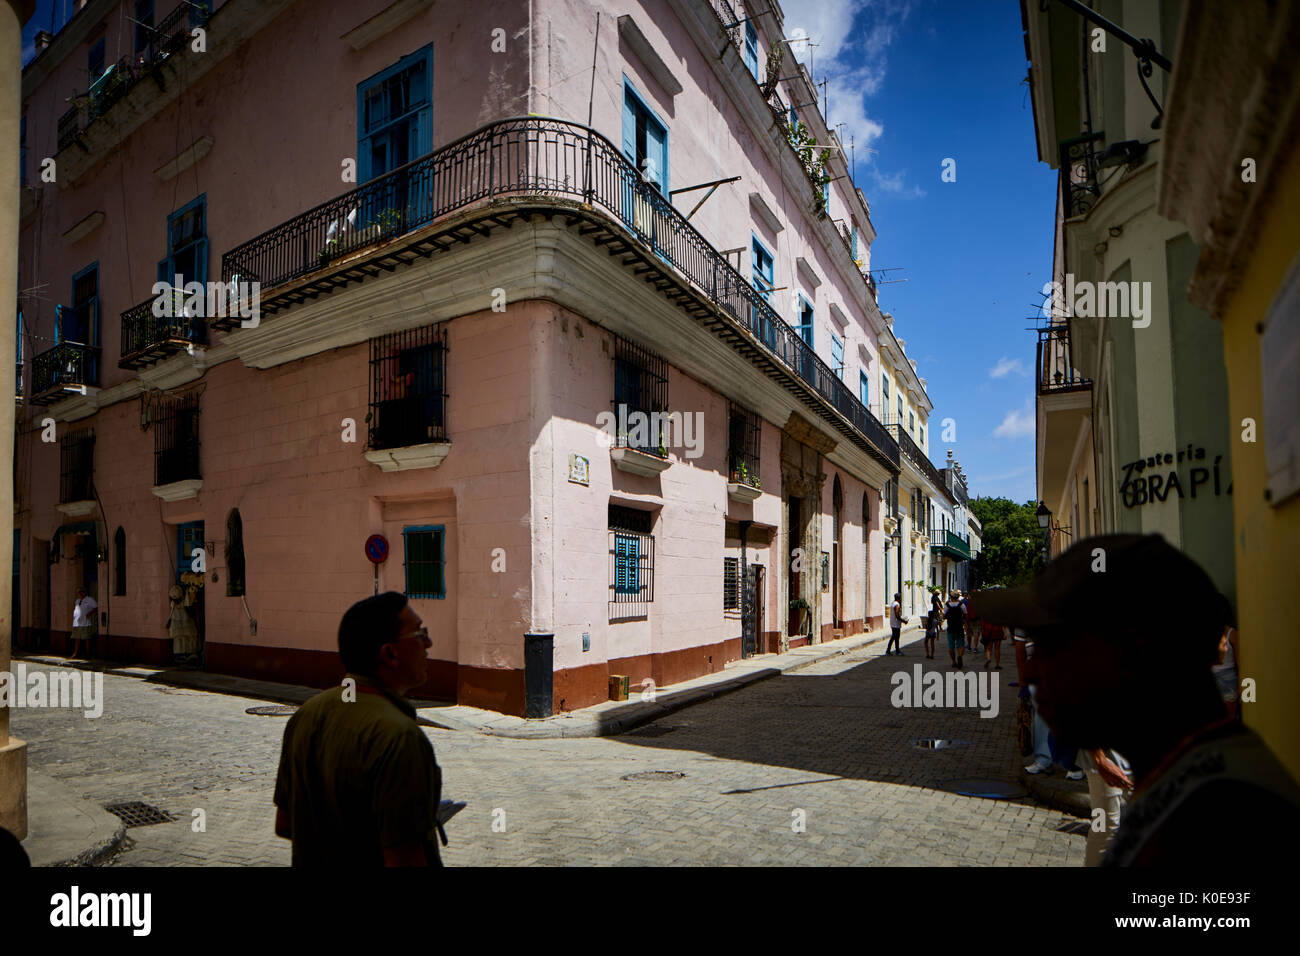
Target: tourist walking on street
[[83, 620], [359, 785], [896, 622], [933, 622], [993, 636], [1210, 794], [1108, 779], [955, 615]]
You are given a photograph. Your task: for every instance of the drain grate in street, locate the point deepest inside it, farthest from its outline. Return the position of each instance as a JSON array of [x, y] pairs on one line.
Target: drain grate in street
[[654, 730], [650, 776], [138, 814], [938, 743], [989, 789], [272, 710], [1077, 827]]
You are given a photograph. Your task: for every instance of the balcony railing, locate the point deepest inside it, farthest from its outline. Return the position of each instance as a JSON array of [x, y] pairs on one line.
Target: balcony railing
[[913, 453], [68, 367], [146, 337], [1055, 371], [169, 37], [542, 159]]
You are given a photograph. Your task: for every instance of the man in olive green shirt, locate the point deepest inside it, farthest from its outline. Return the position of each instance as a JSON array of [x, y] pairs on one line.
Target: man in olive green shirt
[[359, 784]]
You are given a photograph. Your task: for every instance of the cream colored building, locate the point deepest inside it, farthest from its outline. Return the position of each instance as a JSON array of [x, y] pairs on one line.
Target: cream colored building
[[911, 514], [1132, 423]]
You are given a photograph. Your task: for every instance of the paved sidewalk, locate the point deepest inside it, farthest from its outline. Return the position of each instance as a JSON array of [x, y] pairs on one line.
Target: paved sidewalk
[[63, 828], [601, 720]]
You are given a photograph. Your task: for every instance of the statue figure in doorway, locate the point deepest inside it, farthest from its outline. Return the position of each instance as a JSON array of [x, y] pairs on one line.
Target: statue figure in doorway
[[184, 633]]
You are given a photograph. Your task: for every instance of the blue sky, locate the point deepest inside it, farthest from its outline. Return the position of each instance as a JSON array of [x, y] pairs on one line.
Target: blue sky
[[921, 81]]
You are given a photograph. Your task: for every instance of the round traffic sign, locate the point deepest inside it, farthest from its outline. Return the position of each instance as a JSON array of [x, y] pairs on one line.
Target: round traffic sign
[[377, 548]]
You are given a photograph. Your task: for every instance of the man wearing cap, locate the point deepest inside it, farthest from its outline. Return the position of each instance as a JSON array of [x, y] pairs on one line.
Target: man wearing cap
[[1113, 674]]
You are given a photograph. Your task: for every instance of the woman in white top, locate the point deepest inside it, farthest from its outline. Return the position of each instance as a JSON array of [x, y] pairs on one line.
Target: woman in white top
[[83, 619]]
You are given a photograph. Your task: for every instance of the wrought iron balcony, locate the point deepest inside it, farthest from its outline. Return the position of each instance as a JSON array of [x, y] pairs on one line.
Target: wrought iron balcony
[[1078, 165], [169, 37], [68, 367], [952, 545], [147, 338], [1055, 372], [912, 452], [552, 163]]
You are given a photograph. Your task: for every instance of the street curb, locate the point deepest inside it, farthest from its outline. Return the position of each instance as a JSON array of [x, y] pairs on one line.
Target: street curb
[[635, 715], [573, 724], [1058, 793], [90, 856]]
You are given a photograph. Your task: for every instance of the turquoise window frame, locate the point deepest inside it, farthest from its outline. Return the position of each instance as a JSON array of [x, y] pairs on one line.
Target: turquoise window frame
[[633, 101], [166, 265], [441, 531], [837, 355], [627, 563], [864, 389], [807, 321], [422, 116], [763, 279], [751, 49], [93, 301]]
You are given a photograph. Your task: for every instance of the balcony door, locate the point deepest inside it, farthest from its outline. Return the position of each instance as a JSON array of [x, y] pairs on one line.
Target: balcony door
[[80, 324], [394, 127]]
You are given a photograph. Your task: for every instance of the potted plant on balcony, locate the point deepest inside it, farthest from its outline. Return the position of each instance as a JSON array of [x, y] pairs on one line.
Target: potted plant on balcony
[[389, 221]]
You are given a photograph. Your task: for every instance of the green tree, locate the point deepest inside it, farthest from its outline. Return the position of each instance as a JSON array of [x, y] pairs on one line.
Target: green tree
[[1011, 540]]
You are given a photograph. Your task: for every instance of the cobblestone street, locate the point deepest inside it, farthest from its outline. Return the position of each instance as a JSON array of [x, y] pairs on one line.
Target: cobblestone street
[[825, 741]]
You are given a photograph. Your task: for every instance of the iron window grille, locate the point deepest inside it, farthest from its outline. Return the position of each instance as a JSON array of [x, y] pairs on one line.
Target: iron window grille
[[234, 554], [640, 388], [119, 563], [743, 433], [631, 557], [176, 440], [731, 584], [77, 466], [425, 565], [408, 395]]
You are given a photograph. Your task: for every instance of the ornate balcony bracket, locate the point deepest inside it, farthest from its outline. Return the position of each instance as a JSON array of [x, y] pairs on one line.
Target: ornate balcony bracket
[[638, 462], [409, 457], [179, 490], [890, 524]]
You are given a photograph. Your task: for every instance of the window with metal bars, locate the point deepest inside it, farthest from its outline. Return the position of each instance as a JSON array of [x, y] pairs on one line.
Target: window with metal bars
[[743, 434], [408, 395], [77, 466], [731, 584], [119, 562], [631, 557], [176, 440], [425, 548], [234, 554], [640, 390]]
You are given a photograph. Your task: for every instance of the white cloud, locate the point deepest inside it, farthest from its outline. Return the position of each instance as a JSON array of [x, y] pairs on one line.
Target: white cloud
[[848, 44], [1006, 366], [1019, 423]]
